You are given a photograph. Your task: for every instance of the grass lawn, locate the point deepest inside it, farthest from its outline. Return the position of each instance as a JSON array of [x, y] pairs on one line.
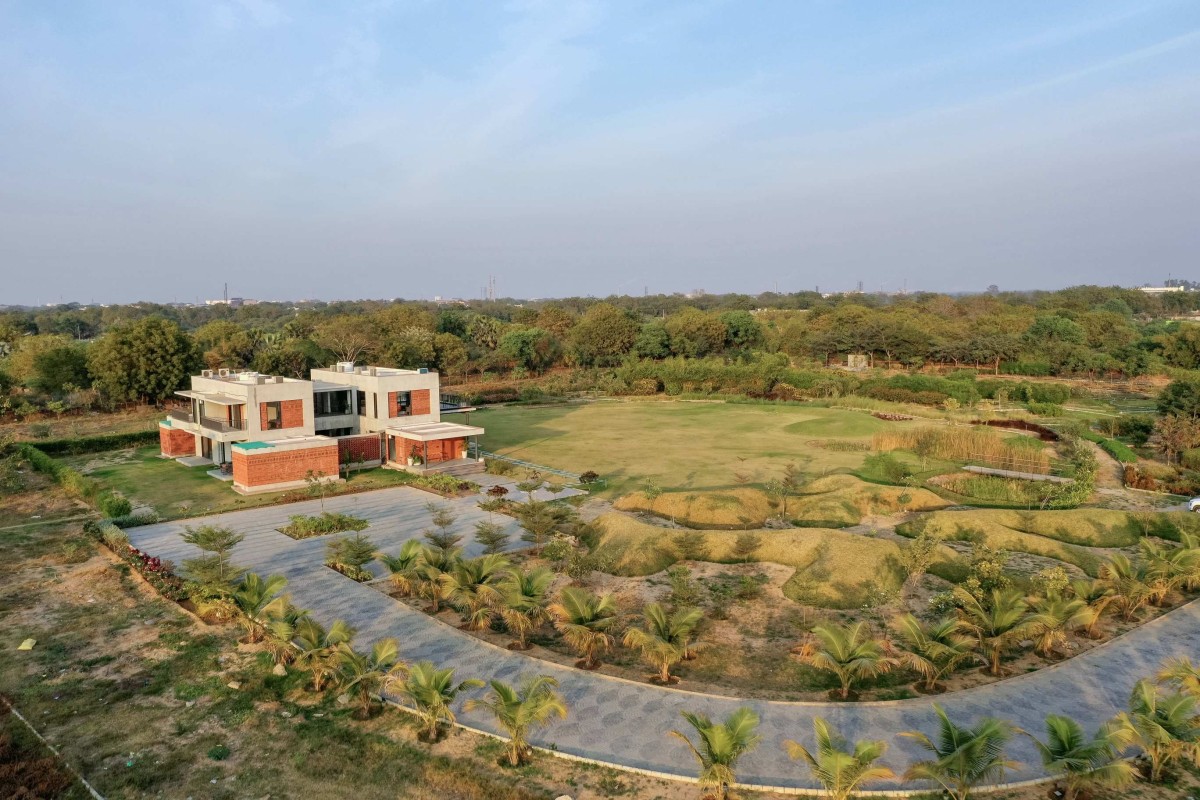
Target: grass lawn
[[681, 445], [174, 490]]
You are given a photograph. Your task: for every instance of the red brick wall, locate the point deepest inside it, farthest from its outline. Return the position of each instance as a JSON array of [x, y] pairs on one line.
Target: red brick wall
[[175, 442], [355, 448], [266, 467], [291, 414], [393, 405], [420, 402], [439, 450]]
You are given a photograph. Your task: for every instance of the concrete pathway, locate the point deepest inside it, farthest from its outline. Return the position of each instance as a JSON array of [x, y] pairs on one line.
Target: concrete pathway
[[626, 723]]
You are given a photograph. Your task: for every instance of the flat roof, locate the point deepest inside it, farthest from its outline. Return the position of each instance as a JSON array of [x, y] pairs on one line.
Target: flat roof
[[432, 431], [213, 397], [326, 386]]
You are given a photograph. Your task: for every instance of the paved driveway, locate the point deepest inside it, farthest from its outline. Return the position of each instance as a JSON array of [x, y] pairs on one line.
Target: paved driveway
[[626, 723]]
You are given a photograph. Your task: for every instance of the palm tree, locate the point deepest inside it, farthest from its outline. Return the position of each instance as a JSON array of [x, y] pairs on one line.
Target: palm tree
[[367, 675], [1164, 726], [837, 767], [517, 710], [468, 586], [281, 630], [1189, 545], [848, 651], [1053, 618], [403, 566], [1182, 674], [932, 650], [1099, 596], [523, 602], [435, 563], [1081, 761], [430, 692], [318, 648], [720, 746], [258, 600], [997, 625], [663, 638], [1166, 568], [962, 757], [1129, 584], [584, 620]]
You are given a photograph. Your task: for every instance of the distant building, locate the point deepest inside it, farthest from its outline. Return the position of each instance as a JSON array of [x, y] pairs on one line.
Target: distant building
[[1162, 289]]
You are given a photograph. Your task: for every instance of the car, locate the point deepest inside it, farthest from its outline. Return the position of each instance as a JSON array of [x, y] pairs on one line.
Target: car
[[1194, 504]]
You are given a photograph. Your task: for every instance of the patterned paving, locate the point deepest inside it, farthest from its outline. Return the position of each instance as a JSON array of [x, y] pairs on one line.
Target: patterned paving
[[626, 723]]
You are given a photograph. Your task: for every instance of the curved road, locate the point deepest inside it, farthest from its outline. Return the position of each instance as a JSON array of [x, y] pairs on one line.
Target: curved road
[[626, 724]]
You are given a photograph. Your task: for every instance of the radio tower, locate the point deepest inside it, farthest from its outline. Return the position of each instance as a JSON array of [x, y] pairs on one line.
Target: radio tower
[[491, 287]]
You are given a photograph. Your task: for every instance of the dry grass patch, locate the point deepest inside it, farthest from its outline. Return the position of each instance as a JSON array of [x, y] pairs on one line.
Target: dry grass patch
[[988, 527], [842, 500], [727, 509], [834, 569], [968, 443]]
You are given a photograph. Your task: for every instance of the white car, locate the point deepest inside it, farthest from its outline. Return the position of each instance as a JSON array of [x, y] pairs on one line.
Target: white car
[[1194, 504]]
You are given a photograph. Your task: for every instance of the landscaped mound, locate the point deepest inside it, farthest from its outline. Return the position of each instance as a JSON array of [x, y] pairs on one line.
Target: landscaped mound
[[727, 509], [834, 569], [838, 501]]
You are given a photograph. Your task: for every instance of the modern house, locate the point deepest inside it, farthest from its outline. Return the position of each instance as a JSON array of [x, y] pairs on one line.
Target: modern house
[[271, 433]]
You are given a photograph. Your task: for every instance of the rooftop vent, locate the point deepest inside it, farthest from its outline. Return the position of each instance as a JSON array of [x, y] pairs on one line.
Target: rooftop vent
[[224, 373], [373, 371], [345, 366], [206, 373], [279, 379], [423, 371]]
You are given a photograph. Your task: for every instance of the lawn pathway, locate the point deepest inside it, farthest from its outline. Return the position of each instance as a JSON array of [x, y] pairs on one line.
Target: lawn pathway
[[627, 724]]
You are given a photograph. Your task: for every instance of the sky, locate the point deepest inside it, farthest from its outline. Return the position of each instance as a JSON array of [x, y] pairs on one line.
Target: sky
[[315, 150]]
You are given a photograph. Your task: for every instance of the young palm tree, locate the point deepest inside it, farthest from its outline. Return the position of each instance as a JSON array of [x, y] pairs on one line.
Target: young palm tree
[[1099, 596], [1129, 584], [430, 692], [1182, 674], [523, 602], [518, 710], [367, 675], [720, 745], [317, 648], [962, 757], [403, 566], [1083, 762], [1053, 617], [932, 650], [663, 638], [469, 587], [1166, 568], [281, 631], [848, 651], [998, 624], [837, 767], [429, 574], [257, 600], [584, 620], [1189, 545], [1163, 725]]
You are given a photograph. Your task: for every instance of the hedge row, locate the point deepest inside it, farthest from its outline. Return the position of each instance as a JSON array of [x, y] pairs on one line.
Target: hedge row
[[96, 444], [74, 482]]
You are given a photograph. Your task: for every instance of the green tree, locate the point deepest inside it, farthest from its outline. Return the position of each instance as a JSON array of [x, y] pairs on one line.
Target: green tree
[[934, 649], [603, 336], [430, 693], [998, 624], [258, 599], [695, 333], [443, 518], [367, 675], [58, 370], [720, 745], [840, 769], [652, 341], [213, 574], [742, 330], [963, 757], [848, 651], [1180, 398], [533, 349], [524, 604], [145, 361], [662, 638], [491, 535], [348, 337], [1052, 618], [469, 585], [1083, 762], [534, 703], [317, 648], [585, 621], [1163, 725]]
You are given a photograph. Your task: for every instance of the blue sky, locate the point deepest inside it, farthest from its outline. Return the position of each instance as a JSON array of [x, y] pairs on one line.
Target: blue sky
[[380, 149]]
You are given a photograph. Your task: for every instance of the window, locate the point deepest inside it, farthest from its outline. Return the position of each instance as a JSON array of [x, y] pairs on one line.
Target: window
[[362, 403], [274, 416], [403, 404], [328, 404]]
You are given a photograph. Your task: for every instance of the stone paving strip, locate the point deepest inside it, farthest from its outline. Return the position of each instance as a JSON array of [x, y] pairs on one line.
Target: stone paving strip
[[624, 723]]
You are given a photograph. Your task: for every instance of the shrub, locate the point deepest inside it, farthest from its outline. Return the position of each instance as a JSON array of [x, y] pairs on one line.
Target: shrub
[[114, 505], [135, 520], [885, 466], [1119, 450], [302, 527], [589, 477], [97, 444], [1045, 409], [218, 752]]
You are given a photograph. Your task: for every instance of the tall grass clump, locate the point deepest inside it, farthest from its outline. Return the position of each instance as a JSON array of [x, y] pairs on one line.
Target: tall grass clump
[[967, 444]]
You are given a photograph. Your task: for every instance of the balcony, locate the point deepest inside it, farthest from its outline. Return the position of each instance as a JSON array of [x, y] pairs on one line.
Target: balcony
[[181, 415], [221, 426]]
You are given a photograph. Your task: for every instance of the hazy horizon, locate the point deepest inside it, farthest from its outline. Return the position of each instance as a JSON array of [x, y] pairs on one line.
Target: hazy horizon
[[411, 149]]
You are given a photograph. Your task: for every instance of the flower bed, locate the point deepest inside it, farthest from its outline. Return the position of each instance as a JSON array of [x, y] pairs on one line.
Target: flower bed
[[302, 527]]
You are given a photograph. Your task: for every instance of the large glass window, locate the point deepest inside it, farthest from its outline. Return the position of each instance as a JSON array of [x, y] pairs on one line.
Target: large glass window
[[403, 404], [328, 404], [274, 415]]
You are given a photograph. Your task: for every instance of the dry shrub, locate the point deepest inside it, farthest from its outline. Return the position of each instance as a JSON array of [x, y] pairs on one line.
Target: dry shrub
[[727, 509], [29, 772], [838, 500], [963, 443]]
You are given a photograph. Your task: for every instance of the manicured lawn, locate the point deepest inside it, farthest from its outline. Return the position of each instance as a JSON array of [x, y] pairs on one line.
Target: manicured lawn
[[681, 445], [174, 490]]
